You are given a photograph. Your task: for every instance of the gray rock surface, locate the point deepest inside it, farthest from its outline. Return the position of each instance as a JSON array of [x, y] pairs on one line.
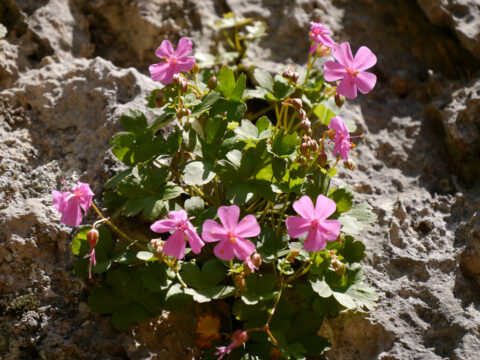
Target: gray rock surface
[[64, 82], [462, 16]]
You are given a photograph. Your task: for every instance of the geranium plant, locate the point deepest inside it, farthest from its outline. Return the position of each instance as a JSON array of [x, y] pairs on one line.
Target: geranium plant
[[231, 190]]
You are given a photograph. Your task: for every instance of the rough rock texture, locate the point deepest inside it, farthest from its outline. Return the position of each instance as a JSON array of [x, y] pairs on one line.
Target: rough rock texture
[[64, 82], [462, 16]]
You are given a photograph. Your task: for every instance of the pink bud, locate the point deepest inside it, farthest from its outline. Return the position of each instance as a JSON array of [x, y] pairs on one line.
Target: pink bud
[[212, 83], [256, 259], [350, 165], [92, 237], [239, 337]]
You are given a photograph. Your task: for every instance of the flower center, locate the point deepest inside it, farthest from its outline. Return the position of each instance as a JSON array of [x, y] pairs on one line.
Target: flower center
[[77, 194], [352, 72], [231, 236], [182, 226], [314, 224], [172, 60]]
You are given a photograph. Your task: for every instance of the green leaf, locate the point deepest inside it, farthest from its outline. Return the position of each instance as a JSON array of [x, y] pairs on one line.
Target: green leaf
[[345, 300], [163, 119], [215, 129], [79, 243], [323, 113], [270, 244], [259, 287], [226, 81], [246, 131], [206, 103], [285, 144], [194, 206], [113, 181], [343, 198], [263, 124], [354, 220], [353, 251], [198, 172], [153, 207], [321, 288], [237, 93], [145, 256], [102, 300], [233, 109], [364, 295], [169, 191], [211, 274], [213, 293], [264, 79], [176, 299], [281, 89], [133, 121], [155, 277]]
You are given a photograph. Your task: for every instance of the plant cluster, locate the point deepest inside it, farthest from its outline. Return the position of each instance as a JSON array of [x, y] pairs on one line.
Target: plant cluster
[[235, 183]]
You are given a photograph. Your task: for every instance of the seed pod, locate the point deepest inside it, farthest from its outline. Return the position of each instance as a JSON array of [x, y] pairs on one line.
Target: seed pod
[[296, 102], [322, 160], [212, 83], [92, 237], [302, 115], [305, 124], [350, 164], [309, 131], [313, 145], [339, 100], [256, 260]]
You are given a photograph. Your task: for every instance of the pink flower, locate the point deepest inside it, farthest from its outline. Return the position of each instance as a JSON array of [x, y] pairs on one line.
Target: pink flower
[[183, 230], [351, 70], [314, 221], [341, 138], [232, 234], [69, 203], [239, 337], [318, 33], [176, 61]]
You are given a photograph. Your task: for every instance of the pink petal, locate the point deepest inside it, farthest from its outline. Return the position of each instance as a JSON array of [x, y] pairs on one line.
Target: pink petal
[[343, 147], [343, 54], [224, 250], [162, 226], [72, 215], [365, 82], [325, 40], [185, 64], [229, 216], [169, 75], [247, 227], [178, 216], [304, 207], [347, 87], [337, 124], [59, 200], [196, 244], [213, 232], [184, 47], [314, 241], [330, 229], [297, 226], [333, 71], [165, 49], [175, 245], [87, 196], [364, 59], [158, 71], [324, 207], [243, 248]]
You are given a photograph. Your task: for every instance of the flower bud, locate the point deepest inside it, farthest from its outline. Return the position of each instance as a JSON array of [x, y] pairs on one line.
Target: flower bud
[[338, 266], [322, 159], [240, 281], [160, 99], [305, 138], [275, 353], [92, 237], [331, 134], [212, 83], [292, 255], [309, 131], [296, 103], [305, 124], [239, 337], [302, 115], [158, 247], [181, 81], [323, 50], [304, 148], [195, 68], [350, 164], [256, 259], [339, 100], [289, 72], [313, 145]]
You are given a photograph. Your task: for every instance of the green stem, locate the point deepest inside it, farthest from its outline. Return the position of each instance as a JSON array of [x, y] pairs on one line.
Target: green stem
[[300, 271], [117, 230]]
